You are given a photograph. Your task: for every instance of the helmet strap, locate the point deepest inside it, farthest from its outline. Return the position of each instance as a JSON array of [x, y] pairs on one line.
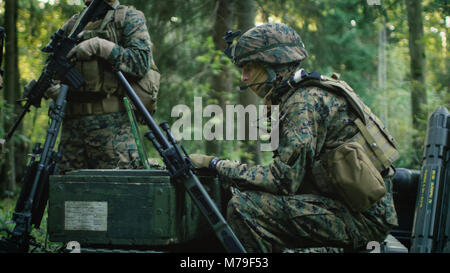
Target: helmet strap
[[243, 87], [271, 78], [266, 84]]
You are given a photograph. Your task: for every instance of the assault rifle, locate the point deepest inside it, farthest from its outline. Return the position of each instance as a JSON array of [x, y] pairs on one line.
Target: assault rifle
[[58, 66], [181, 169], [33, 197]]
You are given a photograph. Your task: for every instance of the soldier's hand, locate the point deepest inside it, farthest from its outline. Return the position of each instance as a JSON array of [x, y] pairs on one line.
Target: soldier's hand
[[53, 91], [94, 47], [201, 161]]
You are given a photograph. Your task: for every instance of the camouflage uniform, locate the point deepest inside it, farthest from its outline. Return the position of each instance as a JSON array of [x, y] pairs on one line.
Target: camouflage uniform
[[102, 138], [280, 206]]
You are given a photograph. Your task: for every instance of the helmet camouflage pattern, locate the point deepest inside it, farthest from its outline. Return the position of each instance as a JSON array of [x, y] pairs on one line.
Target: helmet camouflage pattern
[[272, 43]]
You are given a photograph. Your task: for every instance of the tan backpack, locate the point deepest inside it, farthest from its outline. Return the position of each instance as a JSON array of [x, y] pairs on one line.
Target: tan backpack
[[356, 168]]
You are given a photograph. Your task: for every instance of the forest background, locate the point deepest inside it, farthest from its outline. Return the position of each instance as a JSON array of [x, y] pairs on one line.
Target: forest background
[[395, 54]]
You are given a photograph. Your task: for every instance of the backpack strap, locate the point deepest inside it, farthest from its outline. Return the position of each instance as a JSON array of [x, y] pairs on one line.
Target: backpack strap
[[69, 26], [120, 15], [373, 143], [376, 137], [109, 15], [341, 88]]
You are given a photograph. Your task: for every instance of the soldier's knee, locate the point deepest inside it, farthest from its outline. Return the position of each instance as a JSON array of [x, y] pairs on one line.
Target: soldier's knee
[[232, 206], [236, 208], [239, 205]]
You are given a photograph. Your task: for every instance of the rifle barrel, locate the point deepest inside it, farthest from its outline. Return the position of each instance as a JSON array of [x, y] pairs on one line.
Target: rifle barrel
[[181, 171], [16, 124], [143, 110]]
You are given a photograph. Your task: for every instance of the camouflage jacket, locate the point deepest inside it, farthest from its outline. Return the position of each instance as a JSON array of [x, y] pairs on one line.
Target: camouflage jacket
[[133, 51], [133, 54], [310, 120]]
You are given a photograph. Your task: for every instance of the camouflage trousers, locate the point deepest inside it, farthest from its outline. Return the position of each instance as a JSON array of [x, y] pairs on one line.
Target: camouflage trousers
[[97, 142], [264, 222]]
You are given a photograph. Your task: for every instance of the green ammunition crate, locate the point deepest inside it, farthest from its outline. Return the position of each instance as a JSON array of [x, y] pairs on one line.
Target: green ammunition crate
[[125, 208]]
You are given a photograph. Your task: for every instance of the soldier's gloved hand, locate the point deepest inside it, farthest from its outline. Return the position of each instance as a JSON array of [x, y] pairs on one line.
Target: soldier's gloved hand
[[201, 161], [53, 91], [94, 47]]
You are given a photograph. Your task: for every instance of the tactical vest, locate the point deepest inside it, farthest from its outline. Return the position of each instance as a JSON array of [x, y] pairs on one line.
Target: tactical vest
[[378, 147], [99, 76]]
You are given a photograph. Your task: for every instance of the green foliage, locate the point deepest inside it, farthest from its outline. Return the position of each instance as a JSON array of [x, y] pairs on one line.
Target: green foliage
[[340, 36], [6, 210], [7, 206]]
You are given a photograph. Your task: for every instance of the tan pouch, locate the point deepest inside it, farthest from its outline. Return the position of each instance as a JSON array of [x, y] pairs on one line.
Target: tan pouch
[[91, 72], [147, 89], [357, 181]]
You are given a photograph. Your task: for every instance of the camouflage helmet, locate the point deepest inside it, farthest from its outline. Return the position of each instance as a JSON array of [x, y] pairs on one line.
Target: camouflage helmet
[[272, 43]]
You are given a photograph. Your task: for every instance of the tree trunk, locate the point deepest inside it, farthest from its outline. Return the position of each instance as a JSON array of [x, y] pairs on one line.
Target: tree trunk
[[446, 82], [245, 12], [382, 71], [223, 82], [8, 173], [418, 87]]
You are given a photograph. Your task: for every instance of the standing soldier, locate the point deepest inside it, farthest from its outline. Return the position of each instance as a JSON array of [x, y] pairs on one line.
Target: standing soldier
[[96, 132], [329, 182]]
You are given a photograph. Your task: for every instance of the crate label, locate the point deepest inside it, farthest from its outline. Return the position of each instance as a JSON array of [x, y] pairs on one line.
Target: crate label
[[82, 215]]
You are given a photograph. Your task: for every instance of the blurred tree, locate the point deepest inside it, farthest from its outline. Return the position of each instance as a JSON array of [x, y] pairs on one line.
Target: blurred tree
[[340, 36], [418, 67], [221, 81], [8, 174], [246, 12], [34, 22]]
